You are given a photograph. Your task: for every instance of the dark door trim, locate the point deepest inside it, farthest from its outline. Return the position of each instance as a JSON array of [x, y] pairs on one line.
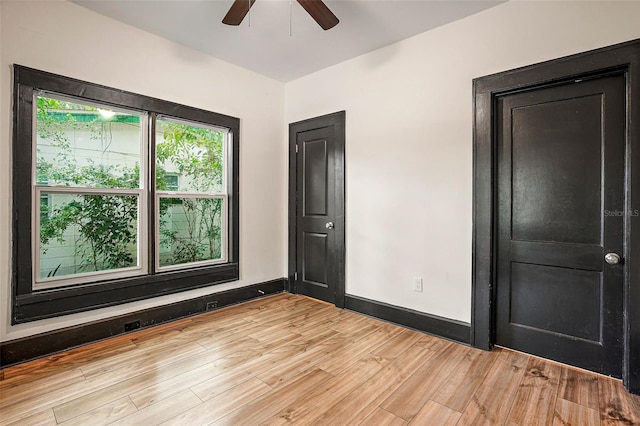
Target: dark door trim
[[337, 120], [623, 59]]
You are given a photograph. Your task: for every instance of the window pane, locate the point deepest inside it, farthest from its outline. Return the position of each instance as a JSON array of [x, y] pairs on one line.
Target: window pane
[[87, 233], [83, 145], [190, 230], [189, 156]]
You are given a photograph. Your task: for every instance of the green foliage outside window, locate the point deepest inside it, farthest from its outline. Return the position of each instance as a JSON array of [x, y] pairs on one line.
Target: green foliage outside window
[[196, 153], [104, 227]]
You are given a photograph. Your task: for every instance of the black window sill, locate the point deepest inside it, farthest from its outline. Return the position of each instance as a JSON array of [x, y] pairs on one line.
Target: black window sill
[[69, 300]]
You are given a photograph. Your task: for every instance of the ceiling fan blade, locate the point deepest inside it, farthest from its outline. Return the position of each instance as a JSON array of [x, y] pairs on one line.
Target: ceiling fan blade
[[320, 13], [237, 12]]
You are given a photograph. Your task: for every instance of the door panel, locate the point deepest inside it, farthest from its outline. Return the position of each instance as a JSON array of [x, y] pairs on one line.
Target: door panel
[[549, 139], [560, 174], [315, 158], [568, 293], [315, 261], [316, 208]]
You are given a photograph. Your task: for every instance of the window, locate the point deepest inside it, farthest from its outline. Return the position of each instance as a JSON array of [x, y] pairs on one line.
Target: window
[[171, 182], [191, 219], [88, 167], [129, 197]]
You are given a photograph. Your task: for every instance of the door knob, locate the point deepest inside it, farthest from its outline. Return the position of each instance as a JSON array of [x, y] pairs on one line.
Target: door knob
[[329, 225], [612, 258]]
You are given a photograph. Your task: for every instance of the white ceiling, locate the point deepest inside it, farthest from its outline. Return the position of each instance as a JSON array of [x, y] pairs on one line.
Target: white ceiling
[[267, 47]]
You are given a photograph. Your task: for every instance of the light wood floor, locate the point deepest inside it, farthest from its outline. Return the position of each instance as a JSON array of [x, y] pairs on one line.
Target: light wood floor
[[288, 359]]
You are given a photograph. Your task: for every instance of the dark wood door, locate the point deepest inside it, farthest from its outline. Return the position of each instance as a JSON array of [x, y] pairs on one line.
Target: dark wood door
[[319, 208], [561, 207]]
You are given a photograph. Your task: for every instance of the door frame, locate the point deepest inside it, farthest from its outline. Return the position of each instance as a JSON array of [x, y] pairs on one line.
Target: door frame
[[337, 121], [623, 58]]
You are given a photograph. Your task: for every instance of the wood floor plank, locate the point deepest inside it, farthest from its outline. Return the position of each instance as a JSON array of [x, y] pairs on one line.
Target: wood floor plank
[[491, 403], [359, 349], [507, 371], [317, 319], [617, 406], [221, 405], [346, 316], [64, 361], [436, 414], [189, 332], [569, 413], [432, 342], [348, 325], [161, 411], [357, 405], [380, 417], [305, 411], [135, 357], [24, 400], [398, 344], [272, 321], [87, 400], [413, 394], [161, 333], [361, 332], [536, 397], [220, 370], [216, 341], [304, 361], [273, 334], [488, 406], [41, 418], [264, 362], [262, 408], [461, 384], [295, 322], [289, 311], [103, 415], [210, 388], [579, 387], [189, 359], [51, 379], [48, 383]]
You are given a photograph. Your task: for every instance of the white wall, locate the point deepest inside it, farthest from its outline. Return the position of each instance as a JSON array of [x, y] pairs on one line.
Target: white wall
[[409, 139], [67, 39]]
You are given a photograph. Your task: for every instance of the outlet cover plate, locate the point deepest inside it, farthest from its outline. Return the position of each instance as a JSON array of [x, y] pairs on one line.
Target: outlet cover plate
[[417, 284]]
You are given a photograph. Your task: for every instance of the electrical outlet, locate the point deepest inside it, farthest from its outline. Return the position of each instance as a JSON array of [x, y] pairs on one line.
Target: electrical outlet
[[212, 305], [133, 325], [417, 284]]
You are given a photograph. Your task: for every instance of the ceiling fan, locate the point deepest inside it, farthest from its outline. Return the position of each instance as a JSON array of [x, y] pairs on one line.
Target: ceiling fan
[[316, 8]]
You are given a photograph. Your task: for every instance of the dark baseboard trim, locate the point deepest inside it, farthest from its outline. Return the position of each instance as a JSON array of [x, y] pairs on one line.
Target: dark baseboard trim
[[432, 324], [40, 345]]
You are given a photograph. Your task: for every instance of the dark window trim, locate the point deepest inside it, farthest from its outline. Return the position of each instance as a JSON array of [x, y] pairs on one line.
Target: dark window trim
[[619, 58], [29, 305]]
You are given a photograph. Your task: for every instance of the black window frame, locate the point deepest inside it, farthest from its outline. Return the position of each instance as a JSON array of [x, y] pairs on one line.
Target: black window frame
[[31, 305]]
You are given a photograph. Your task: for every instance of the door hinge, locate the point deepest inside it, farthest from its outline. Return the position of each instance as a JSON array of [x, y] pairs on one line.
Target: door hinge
[[296, 148], [295, 276]]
